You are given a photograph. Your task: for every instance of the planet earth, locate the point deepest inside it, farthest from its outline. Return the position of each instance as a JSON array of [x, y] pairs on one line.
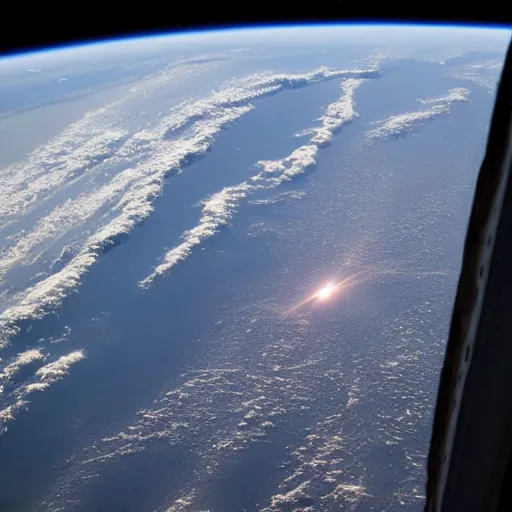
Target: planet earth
[[228, 261]]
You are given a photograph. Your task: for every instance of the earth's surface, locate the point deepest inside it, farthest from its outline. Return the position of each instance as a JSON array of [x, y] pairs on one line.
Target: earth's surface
[[228, 262]]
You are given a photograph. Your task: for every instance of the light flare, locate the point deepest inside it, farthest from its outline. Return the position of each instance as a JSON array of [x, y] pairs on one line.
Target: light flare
[[328, 291]]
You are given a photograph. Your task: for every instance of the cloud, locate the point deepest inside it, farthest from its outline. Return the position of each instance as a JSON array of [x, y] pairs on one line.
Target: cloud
[[338, 113], [21, 360], [398, 125], [457, 95], [54, 371], [486, 77], [276, 172], [36, 386], [219, 209], [481, 68], [251, 88], [65, 158], [118, 174], [16, 399], [7, 414], [80, 150], [294, 498]]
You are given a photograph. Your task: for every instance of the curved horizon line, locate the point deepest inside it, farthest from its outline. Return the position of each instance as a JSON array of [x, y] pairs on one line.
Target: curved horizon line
[[203, 29]]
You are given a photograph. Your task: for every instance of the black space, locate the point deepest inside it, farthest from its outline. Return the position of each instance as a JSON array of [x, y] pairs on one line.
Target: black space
[[29, 26]]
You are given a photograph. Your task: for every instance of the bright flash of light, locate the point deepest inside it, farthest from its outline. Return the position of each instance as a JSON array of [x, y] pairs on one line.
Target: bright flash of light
[[328, 291]]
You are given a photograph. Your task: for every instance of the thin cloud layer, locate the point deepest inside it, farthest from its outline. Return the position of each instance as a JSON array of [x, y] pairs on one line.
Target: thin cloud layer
[[396, 126], [485, 73]]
